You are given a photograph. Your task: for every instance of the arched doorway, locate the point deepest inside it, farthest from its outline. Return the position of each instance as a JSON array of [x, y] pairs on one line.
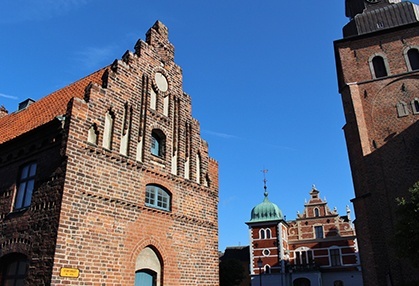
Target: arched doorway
[[148, 268], [301, 282], [145, 277]]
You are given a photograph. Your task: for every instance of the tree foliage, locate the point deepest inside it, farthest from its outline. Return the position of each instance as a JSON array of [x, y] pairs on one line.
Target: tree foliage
[[407, 227], [231, 272]]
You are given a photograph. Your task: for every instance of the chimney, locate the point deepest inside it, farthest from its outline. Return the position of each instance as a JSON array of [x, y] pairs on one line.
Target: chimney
[[25, 103], [3, 111]]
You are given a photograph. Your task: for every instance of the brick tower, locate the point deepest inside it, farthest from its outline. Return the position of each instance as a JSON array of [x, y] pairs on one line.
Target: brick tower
[[378, 70], [108, 181]]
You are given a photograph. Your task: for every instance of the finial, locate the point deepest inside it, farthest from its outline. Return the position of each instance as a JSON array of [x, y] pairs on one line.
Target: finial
[[264, 171], [313, 187], [348, 212]]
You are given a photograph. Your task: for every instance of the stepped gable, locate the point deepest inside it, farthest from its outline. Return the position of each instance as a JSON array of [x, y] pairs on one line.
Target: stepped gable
[[44, 110]]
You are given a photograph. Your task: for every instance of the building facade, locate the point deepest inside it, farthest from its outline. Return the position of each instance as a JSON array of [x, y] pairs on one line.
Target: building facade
[[377, 64], [318, 248], [108, 182], [232, 256]]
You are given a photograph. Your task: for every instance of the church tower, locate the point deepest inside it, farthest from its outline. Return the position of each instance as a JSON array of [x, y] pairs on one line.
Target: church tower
[[377, 64]]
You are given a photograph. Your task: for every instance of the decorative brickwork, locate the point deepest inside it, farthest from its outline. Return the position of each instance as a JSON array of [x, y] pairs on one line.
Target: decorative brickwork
[[93, 215]]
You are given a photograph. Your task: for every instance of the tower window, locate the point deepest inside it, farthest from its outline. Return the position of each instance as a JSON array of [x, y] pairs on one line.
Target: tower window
[[265, 233], [415, 106], [316, 212], [262, 234], [157, 197], [157, 143], [25, 186], [413, 57], [379, 68]]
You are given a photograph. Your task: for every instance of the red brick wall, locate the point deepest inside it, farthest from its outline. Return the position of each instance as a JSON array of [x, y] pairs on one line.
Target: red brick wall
[[32, 231], [105, 223], [382, 147], [89, 210]]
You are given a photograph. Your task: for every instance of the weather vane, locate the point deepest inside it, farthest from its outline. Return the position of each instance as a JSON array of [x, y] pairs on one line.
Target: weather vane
[[264, 171]]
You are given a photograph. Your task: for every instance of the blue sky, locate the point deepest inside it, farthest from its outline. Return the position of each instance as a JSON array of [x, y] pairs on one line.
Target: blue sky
[[261, 75]]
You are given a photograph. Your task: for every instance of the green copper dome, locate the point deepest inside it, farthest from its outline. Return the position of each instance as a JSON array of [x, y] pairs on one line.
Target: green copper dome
[[266, 211]]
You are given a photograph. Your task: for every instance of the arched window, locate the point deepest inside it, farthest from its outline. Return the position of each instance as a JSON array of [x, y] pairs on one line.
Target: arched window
[[415, 106], [148, 268], [268, 233], [262, 234], [14, 270], [378, 67], [157, 197], [267, 269], [25, 187], [158, 140], [316, 212], [413, 57]]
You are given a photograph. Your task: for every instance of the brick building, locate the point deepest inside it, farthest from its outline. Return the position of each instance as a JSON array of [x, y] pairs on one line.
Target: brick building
[[317, 248], [239, 254], [378, 70], [108, 182]]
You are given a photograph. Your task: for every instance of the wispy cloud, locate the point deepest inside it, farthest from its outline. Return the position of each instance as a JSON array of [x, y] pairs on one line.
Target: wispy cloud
[[8, 96], [92, 57], [219, 134], [231, 136], [29, 10], [228, 201]]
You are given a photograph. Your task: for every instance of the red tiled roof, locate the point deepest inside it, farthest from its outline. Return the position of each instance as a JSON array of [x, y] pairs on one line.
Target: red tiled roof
[[45, 109]]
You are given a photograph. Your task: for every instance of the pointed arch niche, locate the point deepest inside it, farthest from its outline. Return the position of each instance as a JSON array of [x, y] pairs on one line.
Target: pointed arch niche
[[148, 268]]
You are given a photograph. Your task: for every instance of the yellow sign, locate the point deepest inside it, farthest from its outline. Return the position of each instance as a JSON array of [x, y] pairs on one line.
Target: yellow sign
[[69, 272]]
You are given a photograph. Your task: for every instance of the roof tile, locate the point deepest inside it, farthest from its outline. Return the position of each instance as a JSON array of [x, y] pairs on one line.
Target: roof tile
[[45, 109]]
